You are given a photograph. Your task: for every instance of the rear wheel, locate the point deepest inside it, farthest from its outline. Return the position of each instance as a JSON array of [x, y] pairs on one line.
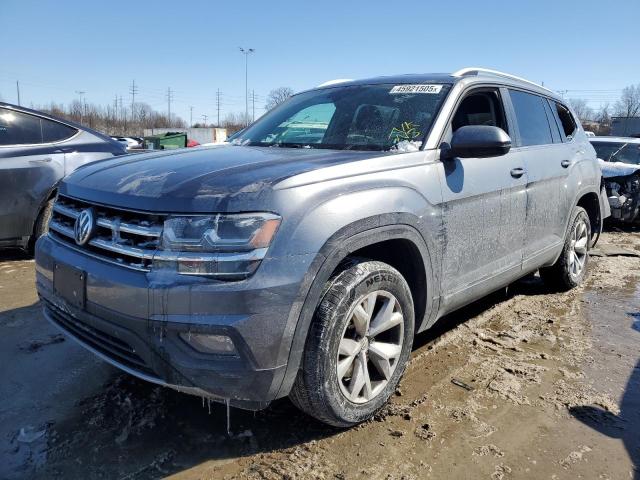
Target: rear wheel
[[358, 344], [571, 268], [42, 224]]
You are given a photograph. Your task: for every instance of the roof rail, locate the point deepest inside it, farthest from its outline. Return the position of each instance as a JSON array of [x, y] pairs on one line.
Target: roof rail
[[335, 82], [476, 70]]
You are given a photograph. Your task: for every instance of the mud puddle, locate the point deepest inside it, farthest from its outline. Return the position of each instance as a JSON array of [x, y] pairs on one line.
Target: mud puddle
[[523, 384]]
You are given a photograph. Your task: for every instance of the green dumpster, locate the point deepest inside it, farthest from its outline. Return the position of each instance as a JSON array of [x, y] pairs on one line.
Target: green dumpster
[[166, 141]]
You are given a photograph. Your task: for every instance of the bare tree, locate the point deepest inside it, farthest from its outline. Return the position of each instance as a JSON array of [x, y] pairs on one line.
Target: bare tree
[[234, 122], [277, 96], [582, 109], [629, 103], [111, 120], [604, 116]]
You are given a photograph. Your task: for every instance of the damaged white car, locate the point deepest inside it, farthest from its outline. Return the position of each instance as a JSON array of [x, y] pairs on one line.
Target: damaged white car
[[619, 159]]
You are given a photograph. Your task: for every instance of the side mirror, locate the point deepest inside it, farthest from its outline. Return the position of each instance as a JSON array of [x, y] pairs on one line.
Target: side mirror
[[478, 141]]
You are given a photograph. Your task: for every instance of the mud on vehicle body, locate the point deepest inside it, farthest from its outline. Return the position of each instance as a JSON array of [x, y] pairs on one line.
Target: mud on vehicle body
[[302, 258]]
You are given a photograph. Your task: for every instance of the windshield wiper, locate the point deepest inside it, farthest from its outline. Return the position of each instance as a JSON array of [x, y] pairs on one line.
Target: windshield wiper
[[291, 145]]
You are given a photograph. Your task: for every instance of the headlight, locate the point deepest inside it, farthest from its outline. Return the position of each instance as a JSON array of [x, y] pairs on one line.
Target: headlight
[[223, 245]]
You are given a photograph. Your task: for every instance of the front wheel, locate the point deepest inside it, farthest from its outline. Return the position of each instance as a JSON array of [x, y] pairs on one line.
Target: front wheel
[[358, 344], [571, 268]]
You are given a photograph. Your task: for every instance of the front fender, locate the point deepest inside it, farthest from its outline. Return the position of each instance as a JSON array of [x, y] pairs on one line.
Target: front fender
[[349, 238]]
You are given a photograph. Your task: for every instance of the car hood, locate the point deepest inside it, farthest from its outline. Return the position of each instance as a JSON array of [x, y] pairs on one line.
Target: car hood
[[199, 179], [617, 169]]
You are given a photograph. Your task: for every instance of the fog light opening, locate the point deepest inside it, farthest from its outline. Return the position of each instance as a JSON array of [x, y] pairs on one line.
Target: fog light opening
[[204, 343]]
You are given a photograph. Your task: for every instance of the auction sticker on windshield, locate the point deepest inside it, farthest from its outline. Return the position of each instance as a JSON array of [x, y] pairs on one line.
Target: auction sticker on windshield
[[416, 89]]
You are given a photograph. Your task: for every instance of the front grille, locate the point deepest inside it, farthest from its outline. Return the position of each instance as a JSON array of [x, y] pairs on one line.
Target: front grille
[[114, 348], [123, 237]]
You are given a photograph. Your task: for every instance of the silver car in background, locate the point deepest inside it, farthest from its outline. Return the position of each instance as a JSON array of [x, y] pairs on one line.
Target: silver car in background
[[36, 152]]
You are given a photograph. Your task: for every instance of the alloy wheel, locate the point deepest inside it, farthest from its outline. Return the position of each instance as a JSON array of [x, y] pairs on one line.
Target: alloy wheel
[[578, 248], [370, 346]]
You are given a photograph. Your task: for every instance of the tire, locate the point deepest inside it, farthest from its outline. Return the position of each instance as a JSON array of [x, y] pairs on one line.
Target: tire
[[359, 289], [41, 226], [570, 269]]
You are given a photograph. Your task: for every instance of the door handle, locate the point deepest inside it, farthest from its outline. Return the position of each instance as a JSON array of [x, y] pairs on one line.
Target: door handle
[[517, 172], [565, 163], [41, 160]]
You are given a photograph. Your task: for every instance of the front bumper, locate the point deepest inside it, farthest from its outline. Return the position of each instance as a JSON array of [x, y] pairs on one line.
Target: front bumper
[[133, 320]]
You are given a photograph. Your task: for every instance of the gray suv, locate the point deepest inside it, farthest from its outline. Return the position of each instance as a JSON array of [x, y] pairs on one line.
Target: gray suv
[[36, 151], [302, 259]]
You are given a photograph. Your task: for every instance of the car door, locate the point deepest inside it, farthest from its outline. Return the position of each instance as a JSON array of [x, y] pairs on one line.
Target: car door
[[546, 158], [484, 204], [29, 168]]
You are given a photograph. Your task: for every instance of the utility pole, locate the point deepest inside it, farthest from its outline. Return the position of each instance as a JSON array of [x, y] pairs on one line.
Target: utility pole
[[218, 105], [115, 112], [82, 108], [169, 98], [191, 116], [246, 53], [253, 99], [18, 90], [133, 90], [123, 116], [204, 117]]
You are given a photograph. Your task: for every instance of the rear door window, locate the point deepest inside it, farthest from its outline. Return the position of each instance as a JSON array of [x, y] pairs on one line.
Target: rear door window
[[18, 128], [569, 125], [56, 132], [531, 117], [553, 122]]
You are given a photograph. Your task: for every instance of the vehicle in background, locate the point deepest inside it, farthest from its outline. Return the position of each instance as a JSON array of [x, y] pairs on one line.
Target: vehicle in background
[[301, 258], [589, 134], [620, 163], [36, 151], [166, 141]]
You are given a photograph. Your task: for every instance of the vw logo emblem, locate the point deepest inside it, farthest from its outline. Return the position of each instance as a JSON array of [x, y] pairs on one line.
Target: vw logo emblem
[[83, 229]]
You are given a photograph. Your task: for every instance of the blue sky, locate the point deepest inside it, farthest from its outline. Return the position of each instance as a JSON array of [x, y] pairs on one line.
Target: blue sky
[[55, 48]]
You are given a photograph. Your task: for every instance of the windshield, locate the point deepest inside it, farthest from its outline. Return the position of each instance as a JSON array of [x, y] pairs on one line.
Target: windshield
[[359, 117], [618, 152]]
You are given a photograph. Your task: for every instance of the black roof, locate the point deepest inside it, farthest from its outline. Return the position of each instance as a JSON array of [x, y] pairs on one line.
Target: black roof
[[446, 78], [416, 78]]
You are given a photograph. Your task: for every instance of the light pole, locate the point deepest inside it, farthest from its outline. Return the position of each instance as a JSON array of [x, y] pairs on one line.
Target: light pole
[[246, 52]]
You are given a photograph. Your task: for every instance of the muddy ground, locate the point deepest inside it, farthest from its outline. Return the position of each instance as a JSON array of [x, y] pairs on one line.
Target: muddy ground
[[546, 385]]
